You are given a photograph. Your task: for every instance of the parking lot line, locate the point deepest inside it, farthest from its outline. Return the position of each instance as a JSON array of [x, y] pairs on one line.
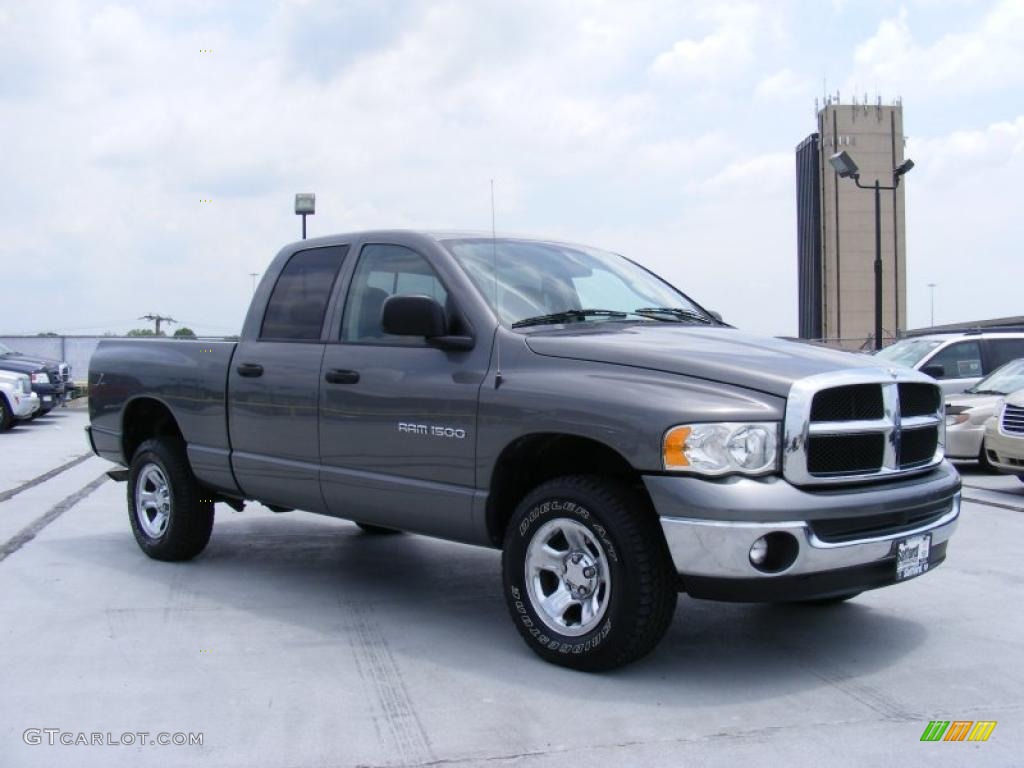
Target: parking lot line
[[29, 532], [9, 494]]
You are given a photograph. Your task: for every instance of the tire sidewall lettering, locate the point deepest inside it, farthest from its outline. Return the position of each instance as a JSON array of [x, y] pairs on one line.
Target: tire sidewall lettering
[[537, 515]]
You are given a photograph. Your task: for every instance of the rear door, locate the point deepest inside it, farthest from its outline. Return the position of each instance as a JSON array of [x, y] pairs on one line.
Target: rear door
[[398, 416], [273, 386]]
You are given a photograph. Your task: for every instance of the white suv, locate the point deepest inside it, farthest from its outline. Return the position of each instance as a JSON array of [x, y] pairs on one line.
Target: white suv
[[957, 360]]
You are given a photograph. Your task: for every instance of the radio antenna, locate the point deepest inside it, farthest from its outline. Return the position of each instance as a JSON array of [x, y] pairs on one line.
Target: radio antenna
[[497, 311]]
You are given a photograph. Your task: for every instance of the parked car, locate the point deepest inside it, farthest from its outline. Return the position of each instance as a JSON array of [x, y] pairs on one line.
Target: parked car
[[50, 378], [957, 360], [618, 442], [17, 400], [967, 412], [1004, 436]]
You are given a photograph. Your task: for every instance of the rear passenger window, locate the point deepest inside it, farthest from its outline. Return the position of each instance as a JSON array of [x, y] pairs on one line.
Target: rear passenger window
[[298, 302], [960, 361], [1002, 351]]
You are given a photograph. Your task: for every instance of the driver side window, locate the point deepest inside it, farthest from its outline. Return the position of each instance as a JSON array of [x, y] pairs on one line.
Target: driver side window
[[383, 271]]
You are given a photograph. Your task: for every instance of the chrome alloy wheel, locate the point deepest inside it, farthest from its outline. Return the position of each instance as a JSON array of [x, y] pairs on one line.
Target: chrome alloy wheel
[[152, 501], [567, 577]]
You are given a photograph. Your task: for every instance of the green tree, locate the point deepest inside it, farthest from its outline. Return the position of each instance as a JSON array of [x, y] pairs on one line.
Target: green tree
[[184, 333], [143, 332]]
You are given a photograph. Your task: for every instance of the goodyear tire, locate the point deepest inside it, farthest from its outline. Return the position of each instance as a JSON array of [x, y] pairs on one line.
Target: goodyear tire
[[587, 574], [170, 515]]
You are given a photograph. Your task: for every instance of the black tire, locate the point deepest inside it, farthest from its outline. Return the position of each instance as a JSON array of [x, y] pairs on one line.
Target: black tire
[[376, 530], [623, 535], [6, 414], [189, 510]]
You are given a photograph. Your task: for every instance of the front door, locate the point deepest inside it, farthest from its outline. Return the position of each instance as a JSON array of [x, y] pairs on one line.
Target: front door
[[274, 382], [398, 416]]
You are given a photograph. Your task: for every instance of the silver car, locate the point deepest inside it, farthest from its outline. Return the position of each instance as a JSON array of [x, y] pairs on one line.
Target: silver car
[[1004, 436], [967, 413], [957, 360]]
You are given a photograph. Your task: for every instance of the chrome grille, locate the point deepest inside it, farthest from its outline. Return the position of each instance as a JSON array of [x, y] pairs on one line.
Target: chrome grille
[[862, 424], [1013, 420]]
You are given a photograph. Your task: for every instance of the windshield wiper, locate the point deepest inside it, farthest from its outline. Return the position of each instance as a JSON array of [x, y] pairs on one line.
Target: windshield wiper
[[973, 391], [569, 314], [677, 312]]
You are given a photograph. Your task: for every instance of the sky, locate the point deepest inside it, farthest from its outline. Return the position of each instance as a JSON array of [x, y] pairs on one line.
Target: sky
[[150, 151]]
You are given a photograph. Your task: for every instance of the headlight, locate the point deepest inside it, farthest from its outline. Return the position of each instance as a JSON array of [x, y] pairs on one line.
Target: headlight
[[40, 378], [717, 449], [952, 419]]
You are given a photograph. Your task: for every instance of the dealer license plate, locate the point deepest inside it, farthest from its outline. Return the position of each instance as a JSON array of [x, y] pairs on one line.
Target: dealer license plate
[[912, 556]]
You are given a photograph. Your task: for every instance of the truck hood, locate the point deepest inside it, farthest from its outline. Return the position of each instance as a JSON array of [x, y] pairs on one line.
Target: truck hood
[[19, 365], [719, 354]]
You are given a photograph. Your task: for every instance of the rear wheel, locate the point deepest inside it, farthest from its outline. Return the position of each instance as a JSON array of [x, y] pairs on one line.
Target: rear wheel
[[587, 574], [170, 515]]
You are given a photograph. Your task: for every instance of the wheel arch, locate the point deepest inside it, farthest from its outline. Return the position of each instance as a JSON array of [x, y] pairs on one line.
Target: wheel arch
[[532, 459], [144, 418]]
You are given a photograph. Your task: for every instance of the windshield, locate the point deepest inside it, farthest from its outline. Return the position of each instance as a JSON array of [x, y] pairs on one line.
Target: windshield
[[1004, 380], [908, 352], [538, 279]]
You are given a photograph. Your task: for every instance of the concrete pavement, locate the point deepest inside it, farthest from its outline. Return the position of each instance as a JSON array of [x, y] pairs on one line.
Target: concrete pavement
[[297, 640]]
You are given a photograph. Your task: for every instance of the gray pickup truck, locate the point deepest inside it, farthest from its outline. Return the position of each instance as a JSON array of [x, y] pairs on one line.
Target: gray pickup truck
[[619, 443]]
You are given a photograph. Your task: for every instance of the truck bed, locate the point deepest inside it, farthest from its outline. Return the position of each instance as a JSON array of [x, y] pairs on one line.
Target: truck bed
[[189, 377]]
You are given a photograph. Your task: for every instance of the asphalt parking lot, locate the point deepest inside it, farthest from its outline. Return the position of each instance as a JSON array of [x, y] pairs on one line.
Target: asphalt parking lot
[[297, 640]]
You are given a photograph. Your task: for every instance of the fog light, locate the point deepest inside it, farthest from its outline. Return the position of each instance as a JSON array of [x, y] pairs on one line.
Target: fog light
[[759, 551]]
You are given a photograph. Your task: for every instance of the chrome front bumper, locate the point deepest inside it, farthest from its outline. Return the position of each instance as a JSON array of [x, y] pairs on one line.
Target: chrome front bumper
[[709, 526], [718, 549]]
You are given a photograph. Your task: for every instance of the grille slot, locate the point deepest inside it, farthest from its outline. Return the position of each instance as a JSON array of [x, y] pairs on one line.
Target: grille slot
[[1013, 419], [918, 446], [919, 399], [843, 529], [845, 454], [852, 403]]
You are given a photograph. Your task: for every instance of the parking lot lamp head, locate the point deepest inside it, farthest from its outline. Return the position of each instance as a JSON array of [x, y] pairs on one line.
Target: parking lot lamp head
[[843, 164], [305, 205]]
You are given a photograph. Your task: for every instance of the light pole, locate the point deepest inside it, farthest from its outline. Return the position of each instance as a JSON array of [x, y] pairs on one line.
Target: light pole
[[846, 168], [931, 287], [305, 205], [254, 275]]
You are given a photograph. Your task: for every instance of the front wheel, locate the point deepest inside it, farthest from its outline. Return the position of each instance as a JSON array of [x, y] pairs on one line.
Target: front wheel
[[587, 574], [6, 415], [170, 515]]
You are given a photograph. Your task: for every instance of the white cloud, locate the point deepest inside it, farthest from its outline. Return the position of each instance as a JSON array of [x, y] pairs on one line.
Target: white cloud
[[723, 52], [784, 84], [987, 56]]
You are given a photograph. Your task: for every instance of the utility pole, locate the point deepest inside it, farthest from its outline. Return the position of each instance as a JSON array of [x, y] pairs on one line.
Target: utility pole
[[931, 287], [254, 275], [157, 319]]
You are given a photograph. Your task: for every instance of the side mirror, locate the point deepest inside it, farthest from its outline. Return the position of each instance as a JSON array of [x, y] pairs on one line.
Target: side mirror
[[716, 315], [935, 371], [413, 316]]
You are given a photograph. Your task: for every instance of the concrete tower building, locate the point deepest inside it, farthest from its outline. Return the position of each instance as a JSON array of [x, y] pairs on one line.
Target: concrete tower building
[[836, 226]]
